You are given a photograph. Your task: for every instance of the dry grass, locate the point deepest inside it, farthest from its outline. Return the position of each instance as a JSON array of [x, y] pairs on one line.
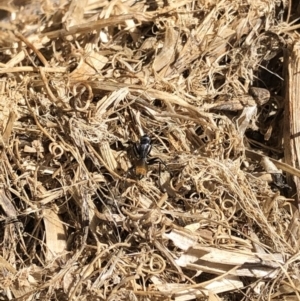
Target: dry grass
[[81, 82]]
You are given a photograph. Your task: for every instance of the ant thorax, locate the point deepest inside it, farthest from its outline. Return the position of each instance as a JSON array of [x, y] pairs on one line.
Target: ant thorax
[[142, 149]]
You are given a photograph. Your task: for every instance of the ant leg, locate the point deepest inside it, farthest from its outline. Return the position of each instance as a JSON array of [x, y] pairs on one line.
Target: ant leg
[[160, 162], [130, 172], [156, 160]]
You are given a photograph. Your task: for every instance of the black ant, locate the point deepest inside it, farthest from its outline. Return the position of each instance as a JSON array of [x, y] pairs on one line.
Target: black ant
[[141, 151]]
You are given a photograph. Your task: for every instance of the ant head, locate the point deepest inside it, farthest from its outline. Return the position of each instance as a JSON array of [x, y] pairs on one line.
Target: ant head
[[145, 139]]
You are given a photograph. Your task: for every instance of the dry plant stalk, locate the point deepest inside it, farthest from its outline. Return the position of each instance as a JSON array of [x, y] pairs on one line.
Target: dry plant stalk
[[81, 82], [292, 111]]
